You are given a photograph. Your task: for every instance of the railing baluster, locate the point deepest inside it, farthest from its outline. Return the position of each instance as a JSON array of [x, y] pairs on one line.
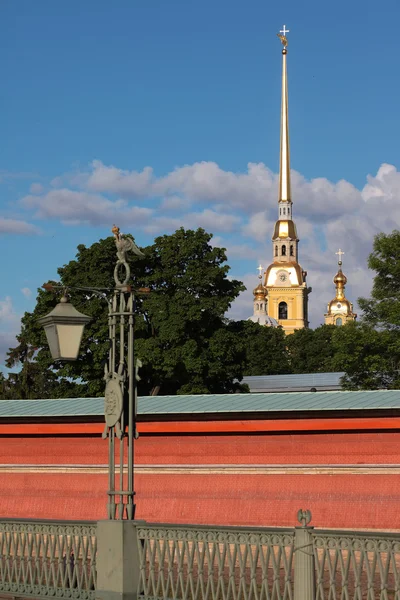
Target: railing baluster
[[218, 563], [36, 559]]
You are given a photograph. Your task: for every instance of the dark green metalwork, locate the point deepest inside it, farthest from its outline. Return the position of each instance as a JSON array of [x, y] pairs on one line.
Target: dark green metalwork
[[357, 565], [40, 559], [209, 563], [48, 558], [188, 562], [120, 396]]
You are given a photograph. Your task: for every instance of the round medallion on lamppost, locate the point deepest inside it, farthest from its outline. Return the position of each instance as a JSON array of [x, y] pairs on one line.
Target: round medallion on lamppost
[[64, 327], [113, 402]]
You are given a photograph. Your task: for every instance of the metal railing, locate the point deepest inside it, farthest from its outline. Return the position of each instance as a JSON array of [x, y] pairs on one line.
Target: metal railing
[[356, 565], [48, 558], [195, 562], [40, 559]]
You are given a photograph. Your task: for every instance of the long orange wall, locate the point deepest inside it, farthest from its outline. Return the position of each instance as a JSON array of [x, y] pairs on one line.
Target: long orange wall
[[347, 479]]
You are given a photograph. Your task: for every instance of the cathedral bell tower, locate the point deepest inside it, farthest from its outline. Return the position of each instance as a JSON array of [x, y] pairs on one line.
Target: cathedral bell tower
[[340, 310], [285, 280]]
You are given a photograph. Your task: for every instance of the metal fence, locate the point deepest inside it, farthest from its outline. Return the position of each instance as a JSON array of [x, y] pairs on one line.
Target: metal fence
[[225, 563], [201, 563], [356, 565], [48, 558], [41, 559]]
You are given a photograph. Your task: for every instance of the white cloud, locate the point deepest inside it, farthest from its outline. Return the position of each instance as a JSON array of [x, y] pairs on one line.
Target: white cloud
[[208, 219], [133, 184], [175, 203], [259, 227], [36, 188], [385, 185], [242, 208], [16, 226], [201, 182], [206, 182], [27, 292], [10, 324], [243, 251], [73, 207]]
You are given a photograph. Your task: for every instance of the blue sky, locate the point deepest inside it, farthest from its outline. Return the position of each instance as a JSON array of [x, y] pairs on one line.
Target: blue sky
[[93, 93]]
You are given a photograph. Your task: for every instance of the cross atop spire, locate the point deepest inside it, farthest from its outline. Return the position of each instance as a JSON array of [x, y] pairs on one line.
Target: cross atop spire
[[260, 270], [340, 254], [282, 36]]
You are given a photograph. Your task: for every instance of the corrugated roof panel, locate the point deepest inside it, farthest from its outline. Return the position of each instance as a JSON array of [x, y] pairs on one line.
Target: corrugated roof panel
[[303, 380], [210, 403]]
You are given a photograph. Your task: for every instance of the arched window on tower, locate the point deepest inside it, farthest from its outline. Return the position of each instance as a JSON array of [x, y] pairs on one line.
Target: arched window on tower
[[284, 211], [291, 250], [283, 251], [276, 250], [339, 321], [280, 212], [257, 306], [288, 210], [282, 309]]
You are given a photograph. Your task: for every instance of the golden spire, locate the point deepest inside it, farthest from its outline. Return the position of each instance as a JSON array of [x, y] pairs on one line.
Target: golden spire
[[340, 278], [284, 166]]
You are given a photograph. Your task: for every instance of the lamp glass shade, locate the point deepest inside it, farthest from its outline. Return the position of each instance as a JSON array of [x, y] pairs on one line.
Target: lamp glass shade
[[64, 327]]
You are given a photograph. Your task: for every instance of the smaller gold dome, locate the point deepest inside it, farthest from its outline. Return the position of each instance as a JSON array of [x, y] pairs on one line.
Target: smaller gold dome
[[260, 292], [338, 305], [340, 277], [285, 229]]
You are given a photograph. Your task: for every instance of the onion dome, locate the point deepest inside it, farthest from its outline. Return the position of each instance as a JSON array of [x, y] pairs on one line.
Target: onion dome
[[340, 305], [340, 278], [259, 292]]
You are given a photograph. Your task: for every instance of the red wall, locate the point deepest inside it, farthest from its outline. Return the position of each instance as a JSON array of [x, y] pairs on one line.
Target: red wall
[[214, 486]]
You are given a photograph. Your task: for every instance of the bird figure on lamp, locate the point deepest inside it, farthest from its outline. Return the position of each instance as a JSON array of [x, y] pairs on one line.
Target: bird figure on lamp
[[124, 244]]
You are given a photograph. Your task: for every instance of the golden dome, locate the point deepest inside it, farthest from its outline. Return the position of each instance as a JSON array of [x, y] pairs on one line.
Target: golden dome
[[340, 277], [339, 305], [260, 292], [285, 229]]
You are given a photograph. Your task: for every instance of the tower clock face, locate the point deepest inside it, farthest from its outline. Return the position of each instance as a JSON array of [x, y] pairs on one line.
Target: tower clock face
[[283, 277]]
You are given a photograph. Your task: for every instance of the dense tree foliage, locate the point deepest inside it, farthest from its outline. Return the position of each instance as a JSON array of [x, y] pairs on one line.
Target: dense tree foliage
[[383, 308], [310, 350], [266, 351], [369, 357], [182, 338]]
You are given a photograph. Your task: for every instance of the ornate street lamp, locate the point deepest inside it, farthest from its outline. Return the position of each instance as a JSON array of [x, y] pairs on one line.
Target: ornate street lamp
[[64, 329]]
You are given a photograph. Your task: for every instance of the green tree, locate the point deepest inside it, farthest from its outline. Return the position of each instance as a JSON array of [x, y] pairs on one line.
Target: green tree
[[382, 309], [310, 350], [369, 357], [370, 350], [182, 338], [265, 348]]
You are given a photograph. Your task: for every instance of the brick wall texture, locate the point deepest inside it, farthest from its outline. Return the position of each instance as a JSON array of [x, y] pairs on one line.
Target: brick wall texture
[[361, 497]]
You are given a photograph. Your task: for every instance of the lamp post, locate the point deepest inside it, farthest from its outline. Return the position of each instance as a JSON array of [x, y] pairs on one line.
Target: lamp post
[[64, 329]]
